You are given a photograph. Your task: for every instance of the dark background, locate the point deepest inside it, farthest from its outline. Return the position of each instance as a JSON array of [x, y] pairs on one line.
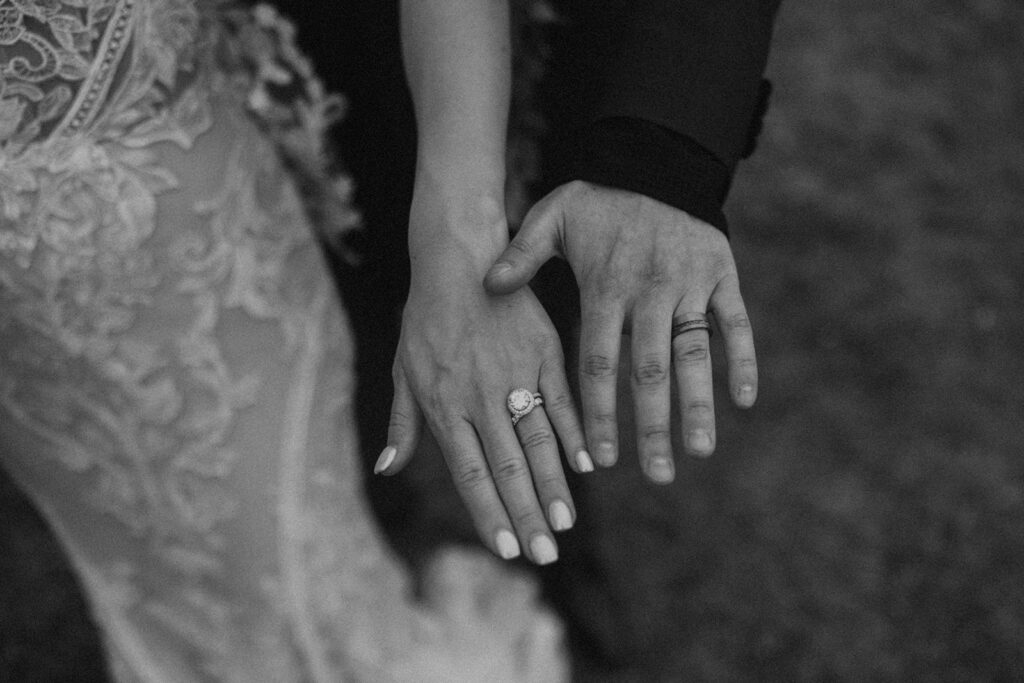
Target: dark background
[[866, 520]]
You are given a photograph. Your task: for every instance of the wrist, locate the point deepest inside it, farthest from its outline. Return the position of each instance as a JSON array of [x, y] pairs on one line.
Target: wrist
[[447, 194], [461, 174], [455, 232]]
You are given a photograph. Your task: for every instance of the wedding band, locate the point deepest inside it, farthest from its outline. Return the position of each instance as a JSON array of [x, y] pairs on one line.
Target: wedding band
[[695, 322], [521, 402]]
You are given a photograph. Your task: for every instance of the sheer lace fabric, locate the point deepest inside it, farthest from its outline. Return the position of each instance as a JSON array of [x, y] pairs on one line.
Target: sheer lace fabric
[[175, 367]]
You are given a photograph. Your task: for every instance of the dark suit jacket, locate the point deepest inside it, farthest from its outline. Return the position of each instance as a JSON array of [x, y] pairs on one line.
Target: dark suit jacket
[[663, 97]]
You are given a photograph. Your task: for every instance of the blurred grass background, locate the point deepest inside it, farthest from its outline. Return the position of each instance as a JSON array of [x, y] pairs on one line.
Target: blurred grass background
[[866, 520]]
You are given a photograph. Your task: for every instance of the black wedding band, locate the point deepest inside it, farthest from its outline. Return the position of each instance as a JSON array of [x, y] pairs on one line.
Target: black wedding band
[[679, 326]]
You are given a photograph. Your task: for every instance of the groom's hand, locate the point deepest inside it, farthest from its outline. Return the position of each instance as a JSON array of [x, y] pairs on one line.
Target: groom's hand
[[640, 264]]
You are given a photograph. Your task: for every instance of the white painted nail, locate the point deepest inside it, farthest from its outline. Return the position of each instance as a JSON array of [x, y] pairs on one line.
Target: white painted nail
[[543, 549], [508, 546], [584, 462], [561, 516], [387, 457]]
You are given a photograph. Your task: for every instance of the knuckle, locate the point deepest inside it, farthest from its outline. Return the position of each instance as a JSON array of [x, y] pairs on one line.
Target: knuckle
[[522, 248], [576, 187], [537, 439], [650, 371], [527, 519], [559, 403], [551, 486], [746, 363], [691, 352], [658, 278], [598, 366], [399, 419], [446, 420], [552, 356], [608, 289], [659, 432], [470, 474], [722, 263], [603, 419], [510, 469], [549, 346], [699, 407], [735, 322]]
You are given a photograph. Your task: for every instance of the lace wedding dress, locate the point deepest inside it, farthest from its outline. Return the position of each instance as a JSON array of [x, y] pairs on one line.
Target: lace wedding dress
[[175, 370]]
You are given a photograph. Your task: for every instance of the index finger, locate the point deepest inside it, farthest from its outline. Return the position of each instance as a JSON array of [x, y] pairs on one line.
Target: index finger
[[600, 341]]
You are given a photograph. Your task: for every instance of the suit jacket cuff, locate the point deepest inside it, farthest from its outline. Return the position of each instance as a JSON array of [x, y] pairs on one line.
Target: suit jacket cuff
[[649, 159]]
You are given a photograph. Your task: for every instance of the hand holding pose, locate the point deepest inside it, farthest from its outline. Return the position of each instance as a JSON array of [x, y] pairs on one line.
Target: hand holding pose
[[654, 271]]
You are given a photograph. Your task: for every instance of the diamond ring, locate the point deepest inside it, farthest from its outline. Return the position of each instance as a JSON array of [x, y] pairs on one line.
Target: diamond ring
[[521, 402]]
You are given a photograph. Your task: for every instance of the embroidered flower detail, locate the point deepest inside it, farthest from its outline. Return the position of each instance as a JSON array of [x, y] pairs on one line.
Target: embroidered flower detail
[[12, 113], [174, 32]]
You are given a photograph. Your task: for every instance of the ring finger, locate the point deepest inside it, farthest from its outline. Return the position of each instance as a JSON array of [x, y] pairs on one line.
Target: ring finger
[[691, 361], [541, 449], [514, 480]]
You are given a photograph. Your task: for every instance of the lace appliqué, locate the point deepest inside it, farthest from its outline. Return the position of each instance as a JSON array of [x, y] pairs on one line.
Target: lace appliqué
[[76, 219], [289, 103], [59, 60], [174, 345]]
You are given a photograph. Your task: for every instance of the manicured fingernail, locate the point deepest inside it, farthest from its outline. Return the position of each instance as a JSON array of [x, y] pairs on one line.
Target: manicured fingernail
[[660, 470], [543, 549], [500, 268], [605, 455], [584, 462], [746, 393], [561, 517], [387, 457], [508, 546], [699, 441]]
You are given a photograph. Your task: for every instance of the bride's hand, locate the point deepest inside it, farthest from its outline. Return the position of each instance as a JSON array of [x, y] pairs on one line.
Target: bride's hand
[[461, 353]]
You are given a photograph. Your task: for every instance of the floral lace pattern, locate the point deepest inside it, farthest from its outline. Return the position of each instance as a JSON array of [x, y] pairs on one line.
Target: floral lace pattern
[[175, 370], [51, 81]]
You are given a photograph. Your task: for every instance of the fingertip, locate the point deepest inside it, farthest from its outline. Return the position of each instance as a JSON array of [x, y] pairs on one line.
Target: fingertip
[[505, 278], [560, 516], [404, 429], [700, 443], [496, 281], [385, 460], [543, 549], [605, 455], [506, 545], [745, 396], [584, 463], [561, 410], [661, 470]]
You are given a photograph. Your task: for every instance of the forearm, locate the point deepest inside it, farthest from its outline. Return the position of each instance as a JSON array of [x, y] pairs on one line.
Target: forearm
[[457, 61]]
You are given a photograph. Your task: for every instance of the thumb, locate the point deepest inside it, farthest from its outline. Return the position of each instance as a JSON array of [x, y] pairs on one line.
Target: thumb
[[403, 429], [534, 245]]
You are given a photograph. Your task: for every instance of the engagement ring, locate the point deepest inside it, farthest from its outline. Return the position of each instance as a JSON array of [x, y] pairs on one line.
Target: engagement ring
[[521, 402]]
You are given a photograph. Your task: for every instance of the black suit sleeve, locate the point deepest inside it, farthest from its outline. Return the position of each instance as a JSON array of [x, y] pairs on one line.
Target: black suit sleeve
[[676, 99]]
